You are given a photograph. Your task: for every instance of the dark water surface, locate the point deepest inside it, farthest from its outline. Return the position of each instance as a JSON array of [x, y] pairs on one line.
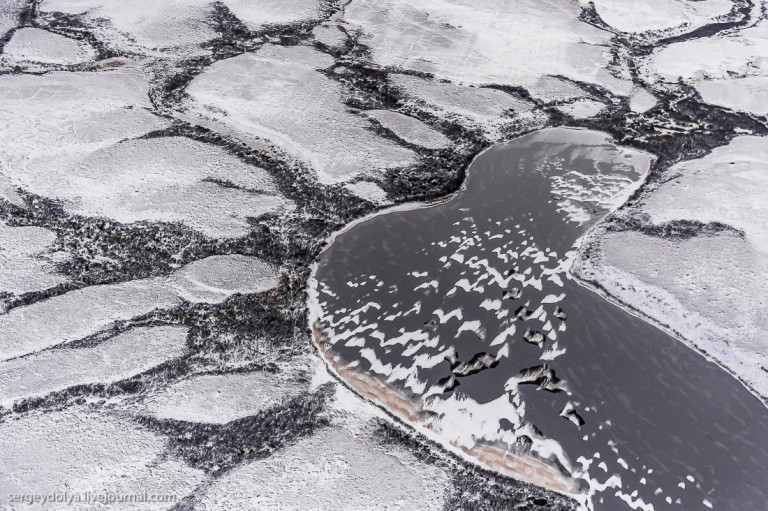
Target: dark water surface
[[662, 425]]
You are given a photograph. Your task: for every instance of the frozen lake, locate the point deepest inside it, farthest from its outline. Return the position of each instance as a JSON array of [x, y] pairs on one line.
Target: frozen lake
[[462, 319]]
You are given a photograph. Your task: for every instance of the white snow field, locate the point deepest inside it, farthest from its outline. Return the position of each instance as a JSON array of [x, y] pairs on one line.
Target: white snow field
[[749, 94], [368, 191], [711, 290], [218, 399], [641, 100], [729, 70], [78, 314], [36, 45], [730, 185], [25, 262], [167, 179], [550, 88], [409, 129], [9, 12], [115, 359], [72, 114], [644, 15], [331, 35], [79, 451], [277, 93], [168, 28], [582, 108], [81, 157], [216, 278], [487, 109], [478, 42], [330, 470], [84, 312], [257, 14]]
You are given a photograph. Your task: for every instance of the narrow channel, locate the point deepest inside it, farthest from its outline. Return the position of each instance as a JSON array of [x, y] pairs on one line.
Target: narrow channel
[[462, 320]]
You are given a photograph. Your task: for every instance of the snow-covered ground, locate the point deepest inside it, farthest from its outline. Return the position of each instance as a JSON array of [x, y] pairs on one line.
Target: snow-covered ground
[[175, 27], [644, 15], [729, 70], [711, 289], [24, 266], [168, 171], [330, 470], [477, 42], [409, 129], [167, 179], [79, 451], [95, 171], [72, 115], [263, 13], [9, 14], [35, 45], [279, 94], [218, 399], [84, 312], [116, 359], [487, 109], [339, 467]]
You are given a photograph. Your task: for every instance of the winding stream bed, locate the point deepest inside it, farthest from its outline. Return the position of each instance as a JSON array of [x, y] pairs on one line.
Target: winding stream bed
[[462, 320]]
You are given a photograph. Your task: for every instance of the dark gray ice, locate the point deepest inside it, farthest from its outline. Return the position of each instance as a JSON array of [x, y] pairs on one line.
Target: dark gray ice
[[469, 302]]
